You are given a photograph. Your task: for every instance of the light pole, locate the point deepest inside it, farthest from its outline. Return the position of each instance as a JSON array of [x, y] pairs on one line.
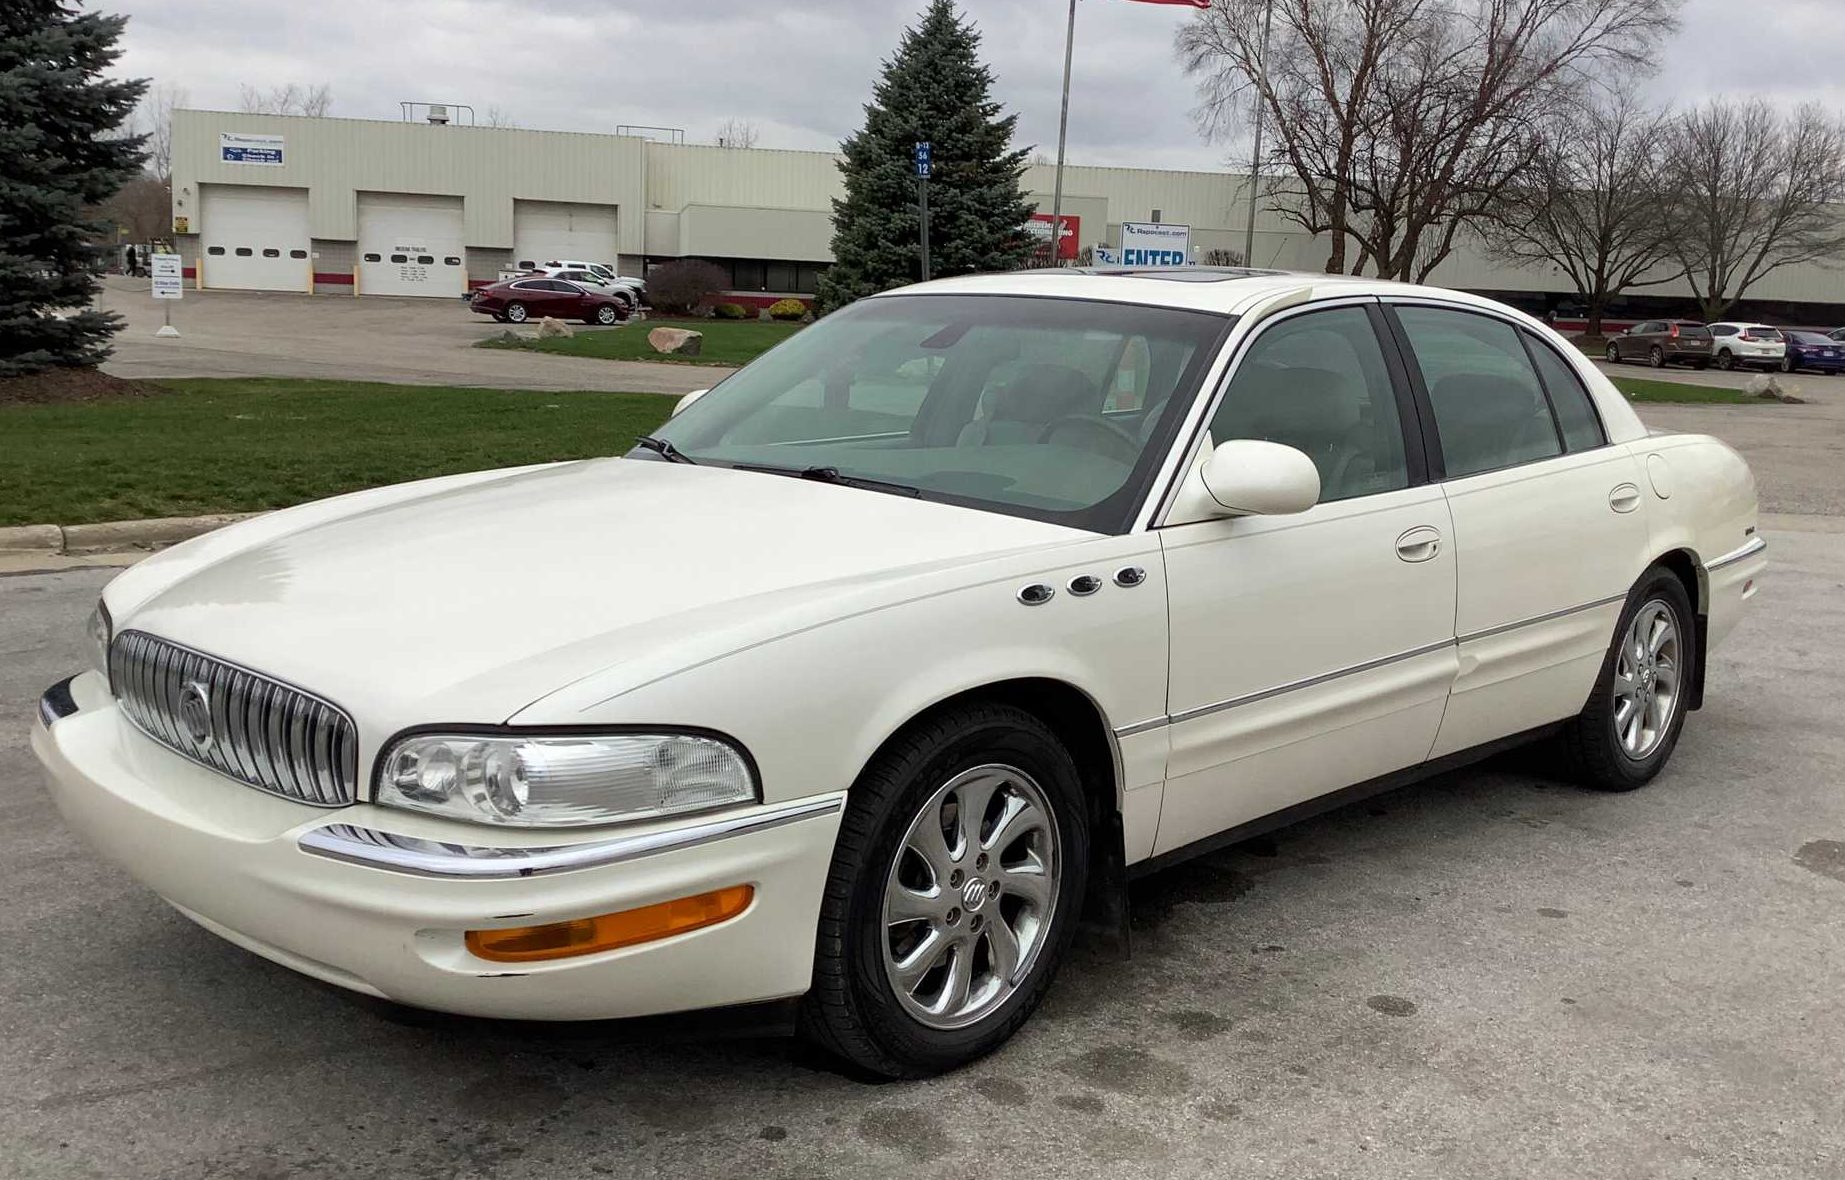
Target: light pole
[[1255, 156], [1063, 132]]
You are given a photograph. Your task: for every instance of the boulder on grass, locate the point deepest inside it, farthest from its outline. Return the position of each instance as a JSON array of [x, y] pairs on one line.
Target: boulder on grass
[[676, 341], [1768, 387], [549, 328]]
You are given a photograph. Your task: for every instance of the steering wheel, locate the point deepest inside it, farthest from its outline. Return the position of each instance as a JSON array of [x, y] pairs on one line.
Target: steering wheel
[[1117, 442]]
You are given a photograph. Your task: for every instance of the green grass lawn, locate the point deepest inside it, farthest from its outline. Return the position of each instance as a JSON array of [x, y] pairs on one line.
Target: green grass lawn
[[727, 342], [246, 444], [1645, 389]]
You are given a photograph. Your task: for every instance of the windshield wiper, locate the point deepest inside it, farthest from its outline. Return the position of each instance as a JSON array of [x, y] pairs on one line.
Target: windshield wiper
[[832, 475], [664, 449]]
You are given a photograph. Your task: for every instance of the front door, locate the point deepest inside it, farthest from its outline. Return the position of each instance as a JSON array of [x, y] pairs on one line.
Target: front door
[[1314, 651]]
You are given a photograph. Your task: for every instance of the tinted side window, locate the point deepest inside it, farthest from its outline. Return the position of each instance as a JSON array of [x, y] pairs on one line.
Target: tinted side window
[[1489, 408], [1722, 330], [1582, 427], [1318, 382]]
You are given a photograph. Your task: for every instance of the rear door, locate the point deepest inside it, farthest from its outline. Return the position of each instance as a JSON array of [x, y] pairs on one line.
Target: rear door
[[1639, 339], [1548, 535]]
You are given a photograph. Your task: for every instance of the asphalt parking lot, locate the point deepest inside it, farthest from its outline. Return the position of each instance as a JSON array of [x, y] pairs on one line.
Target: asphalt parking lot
[[377, 338], [1490, 974]]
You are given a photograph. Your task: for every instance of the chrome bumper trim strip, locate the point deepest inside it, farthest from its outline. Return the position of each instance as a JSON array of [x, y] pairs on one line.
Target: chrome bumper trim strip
[[1750, 548], [1545, 618], [57, 703], [434, 858]]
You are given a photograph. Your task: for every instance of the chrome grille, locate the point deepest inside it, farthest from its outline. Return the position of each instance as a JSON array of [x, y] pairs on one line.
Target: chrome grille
[[259, 731]]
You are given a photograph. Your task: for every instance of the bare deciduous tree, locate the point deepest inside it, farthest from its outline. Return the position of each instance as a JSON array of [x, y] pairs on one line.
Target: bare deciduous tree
[[1758, 191], [1596, 201], [1401, 121], [496, 117], [292, 98], [737, 133], [154, 119]]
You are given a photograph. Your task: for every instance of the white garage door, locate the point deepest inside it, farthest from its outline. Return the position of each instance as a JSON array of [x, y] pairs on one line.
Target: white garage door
[[410, 244], [544, 231], [255, 238]]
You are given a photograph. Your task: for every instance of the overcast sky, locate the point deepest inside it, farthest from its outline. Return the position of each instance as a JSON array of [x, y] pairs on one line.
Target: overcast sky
[[801, 69]]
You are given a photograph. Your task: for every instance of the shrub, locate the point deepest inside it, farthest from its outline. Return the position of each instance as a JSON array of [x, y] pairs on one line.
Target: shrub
[[686, 286], [731, 311], [787, 309]]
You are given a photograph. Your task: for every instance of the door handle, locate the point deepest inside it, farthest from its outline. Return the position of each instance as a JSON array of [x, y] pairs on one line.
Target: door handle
[[1624, 498], [1421, 543]]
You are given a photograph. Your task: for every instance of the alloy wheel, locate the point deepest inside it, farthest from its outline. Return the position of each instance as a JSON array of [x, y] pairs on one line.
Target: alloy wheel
[[1646, 680], [970, 896]]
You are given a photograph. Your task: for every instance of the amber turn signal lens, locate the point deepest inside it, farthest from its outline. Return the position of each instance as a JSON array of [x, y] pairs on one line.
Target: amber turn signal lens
[[586, 936]]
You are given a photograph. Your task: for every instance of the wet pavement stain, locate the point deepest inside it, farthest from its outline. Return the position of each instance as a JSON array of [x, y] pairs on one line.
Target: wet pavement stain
[[1003, 1092], [508, 1098], [1197, 1026], [773, 1133], [1219, 1111], [1082, 1103], [1200, 882], [1126, 1070], [1825, 857], [1391, 1005], [918, 1135], [1548, 912]]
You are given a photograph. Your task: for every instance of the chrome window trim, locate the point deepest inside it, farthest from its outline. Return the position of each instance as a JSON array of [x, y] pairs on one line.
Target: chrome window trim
[[419, 857], [1747, 549]]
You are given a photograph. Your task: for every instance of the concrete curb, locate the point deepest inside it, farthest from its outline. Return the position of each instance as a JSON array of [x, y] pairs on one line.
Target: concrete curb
[[113, 536]]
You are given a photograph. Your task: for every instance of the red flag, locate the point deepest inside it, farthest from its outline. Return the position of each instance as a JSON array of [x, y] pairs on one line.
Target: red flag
[[1186, 3]]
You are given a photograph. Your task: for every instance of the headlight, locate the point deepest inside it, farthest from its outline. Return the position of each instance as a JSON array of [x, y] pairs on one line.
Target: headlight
[[96, 631], [564, 781]]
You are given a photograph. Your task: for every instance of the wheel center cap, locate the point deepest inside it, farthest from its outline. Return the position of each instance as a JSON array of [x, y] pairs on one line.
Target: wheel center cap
[[973, 894]]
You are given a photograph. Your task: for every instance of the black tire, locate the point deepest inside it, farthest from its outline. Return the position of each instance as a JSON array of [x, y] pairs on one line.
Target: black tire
[[605, 314], [1656, 358], [1590, 742], [1726, 361], [852, 1011], [1614, 354], [1788, 365], [499, 317], [516, 312]]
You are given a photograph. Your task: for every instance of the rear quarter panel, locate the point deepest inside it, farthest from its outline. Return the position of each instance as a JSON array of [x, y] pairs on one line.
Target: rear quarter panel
[[1701, 498]]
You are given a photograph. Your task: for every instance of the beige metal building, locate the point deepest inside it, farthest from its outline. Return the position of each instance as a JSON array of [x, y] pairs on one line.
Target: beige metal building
[[413, 208]]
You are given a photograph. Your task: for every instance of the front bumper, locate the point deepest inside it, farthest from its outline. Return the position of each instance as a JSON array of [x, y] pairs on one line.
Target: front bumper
[[378, 901]]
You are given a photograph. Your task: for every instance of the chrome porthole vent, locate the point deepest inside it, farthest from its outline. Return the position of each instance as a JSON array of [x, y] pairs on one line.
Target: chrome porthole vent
[[1130, 575], [1083, 585], [1036, 594]]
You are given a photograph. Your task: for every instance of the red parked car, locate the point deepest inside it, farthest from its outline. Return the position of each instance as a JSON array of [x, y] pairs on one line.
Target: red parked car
[[519, 300]]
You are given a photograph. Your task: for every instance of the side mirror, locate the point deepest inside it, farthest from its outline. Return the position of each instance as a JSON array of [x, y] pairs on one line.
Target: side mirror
[[680, 405], [1249, 477]]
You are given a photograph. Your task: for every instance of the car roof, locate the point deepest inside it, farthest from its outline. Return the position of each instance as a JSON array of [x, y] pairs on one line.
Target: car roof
[[1225, 290]]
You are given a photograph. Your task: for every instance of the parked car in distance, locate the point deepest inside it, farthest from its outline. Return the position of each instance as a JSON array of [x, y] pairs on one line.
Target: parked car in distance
[[1812, 350], [1837, 334], [1663, 342], [1753, 345], [603, 271], [518, 300], [600, 279], [880, 661]]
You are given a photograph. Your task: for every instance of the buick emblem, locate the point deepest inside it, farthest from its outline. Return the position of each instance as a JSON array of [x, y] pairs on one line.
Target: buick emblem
[[974, 895], [195, 713]]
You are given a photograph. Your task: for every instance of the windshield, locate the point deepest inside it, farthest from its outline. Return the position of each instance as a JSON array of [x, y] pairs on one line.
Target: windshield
[[1054, 409]]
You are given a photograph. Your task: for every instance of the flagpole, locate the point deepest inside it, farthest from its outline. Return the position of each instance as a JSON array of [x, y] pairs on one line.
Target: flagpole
[[1255, 156], [1063, 132]]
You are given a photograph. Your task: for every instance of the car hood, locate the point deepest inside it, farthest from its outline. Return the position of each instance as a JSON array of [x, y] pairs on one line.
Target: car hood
[[467, 599]]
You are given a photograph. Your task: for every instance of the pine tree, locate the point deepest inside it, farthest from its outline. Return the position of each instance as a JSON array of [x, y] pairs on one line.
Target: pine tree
[[933, 90], [60, 156]]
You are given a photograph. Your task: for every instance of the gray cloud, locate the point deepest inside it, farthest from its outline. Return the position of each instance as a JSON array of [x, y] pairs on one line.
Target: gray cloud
[[801, 70]]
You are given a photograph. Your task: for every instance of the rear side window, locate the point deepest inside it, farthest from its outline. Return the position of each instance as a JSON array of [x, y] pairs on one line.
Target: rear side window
[[374, 258], [1318, 382], [1490, 410], [1582, 427], [1723, 330], [1694, 331], [400, 258], [214, 251]]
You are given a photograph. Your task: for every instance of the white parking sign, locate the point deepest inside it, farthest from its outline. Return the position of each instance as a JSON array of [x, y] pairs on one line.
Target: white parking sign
[[168, 283]]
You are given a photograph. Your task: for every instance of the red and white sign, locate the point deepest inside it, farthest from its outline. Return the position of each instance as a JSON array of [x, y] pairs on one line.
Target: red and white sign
[[1039, 227]]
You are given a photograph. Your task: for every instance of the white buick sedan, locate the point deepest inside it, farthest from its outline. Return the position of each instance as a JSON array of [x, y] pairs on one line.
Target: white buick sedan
[[900, 649]]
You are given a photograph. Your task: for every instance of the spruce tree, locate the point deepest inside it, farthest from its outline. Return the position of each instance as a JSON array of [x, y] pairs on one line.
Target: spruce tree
[[933, 90], [60, 156]]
